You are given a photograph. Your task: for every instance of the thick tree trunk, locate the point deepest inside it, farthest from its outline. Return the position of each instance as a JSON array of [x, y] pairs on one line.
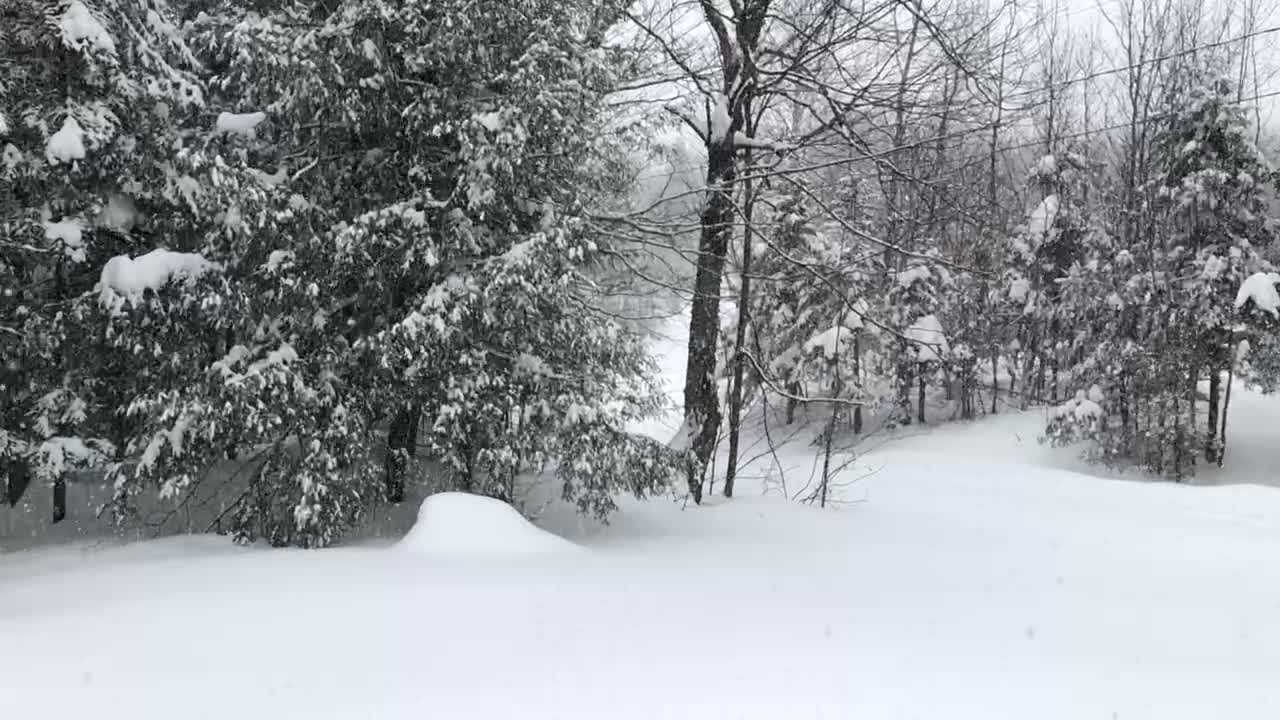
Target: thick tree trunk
[[737, 44], [701, 399], [19, 477]]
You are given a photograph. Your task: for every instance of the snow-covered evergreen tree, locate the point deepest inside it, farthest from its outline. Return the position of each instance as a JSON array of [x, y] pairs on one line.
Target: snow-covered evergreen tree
[[1167, 318], [93, 98], [378, 226]]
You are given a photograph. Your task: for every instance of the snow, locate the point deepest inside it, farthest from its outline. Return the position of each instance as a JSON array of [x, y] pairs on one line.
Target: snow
[[970, 581], [1084, 407], [119, 214], [1047, 166], [455, 523], [276, 260], [274, 179], [669, 341], [1096, 394], [66, 145], [80, 29], [1040, 224], [126, 279], [966, 573], [720, 119], [913, 274], [853, 317], [1019, 289], [829, 341], [69, 232], [57, 455], [239, 123], [927, 336], [1261, 289], [1214, 266], [491, 121]]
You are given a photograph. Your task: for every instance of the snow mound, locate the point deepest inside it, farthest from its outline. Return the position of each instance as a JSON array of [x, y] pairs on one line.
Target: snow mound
[[455, 523], [1261, 289]]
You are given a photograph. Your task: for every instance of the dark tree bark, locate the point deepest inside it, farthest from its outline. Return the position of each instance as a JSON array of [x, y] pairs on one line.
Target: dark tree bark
[[1215, 392], [904, 389], [402, 439], [59, 500], [18, 475], [857, 380], [920, 377], [737, 38]]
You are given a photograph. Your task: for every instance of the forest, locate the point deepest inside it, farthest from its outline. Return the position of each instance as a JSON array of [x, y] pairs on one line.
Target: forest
[[288, 259]]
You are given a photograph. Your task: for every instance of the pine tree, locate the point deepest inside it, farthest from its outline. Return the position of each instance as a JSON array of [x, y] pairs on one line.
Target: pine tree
[[92, 97], [1168, 316], [380, 227]]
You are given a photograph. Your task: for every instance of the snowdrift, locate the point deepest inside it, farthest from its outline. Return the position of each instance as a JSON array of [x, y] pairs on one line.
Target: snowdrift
[[455, 523]]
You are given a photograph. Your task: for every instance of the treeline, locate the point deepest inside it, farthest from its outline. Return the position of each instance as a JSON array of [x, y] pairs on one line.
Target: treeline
[[1004, 205], [311, 254]]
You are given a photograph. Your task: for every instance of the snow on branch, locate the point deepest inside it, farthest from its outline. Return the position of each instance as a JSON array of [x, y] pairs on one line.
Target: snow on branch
[[927, 336], [126, 279], [1261, 289], [66, 145], [741, 140], [239, 123], [81, 30]]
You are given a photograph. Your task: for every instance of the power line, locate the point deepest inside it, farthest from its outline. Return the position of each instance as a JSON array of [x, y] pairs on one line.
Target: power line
[[1121, 126], [1141, 63]]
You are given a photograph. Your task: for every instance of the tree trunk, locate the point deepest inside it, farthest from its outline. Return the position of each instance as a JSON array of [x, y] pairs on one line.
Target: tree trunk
[[1226, 401], [59, 499], [402, 439], [701, 399], [920, 377], [1215, 391], [904, 389], [18, 473], [857, 381], [744, 317], [737, 45], [995, 379]]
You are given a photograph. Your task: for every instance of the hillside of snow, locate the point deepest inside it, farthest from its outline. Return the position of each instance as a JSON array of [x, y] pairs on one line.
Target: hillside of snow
[[966, 573]]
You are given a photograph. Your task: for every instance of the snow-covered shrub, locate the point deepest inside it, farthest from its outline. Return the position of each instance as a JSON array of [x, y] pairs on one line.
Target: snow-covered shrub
[[1080, 419]]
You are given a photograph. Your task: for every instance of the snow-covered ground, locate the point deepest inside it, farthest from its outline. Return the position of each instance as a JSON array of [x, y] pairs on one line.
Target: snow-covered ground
[[968, 572]]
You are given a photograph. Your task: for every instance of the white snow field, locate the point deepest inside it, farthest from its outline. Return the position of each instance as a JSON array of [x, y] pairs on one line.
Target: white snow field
[[968, 574]]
